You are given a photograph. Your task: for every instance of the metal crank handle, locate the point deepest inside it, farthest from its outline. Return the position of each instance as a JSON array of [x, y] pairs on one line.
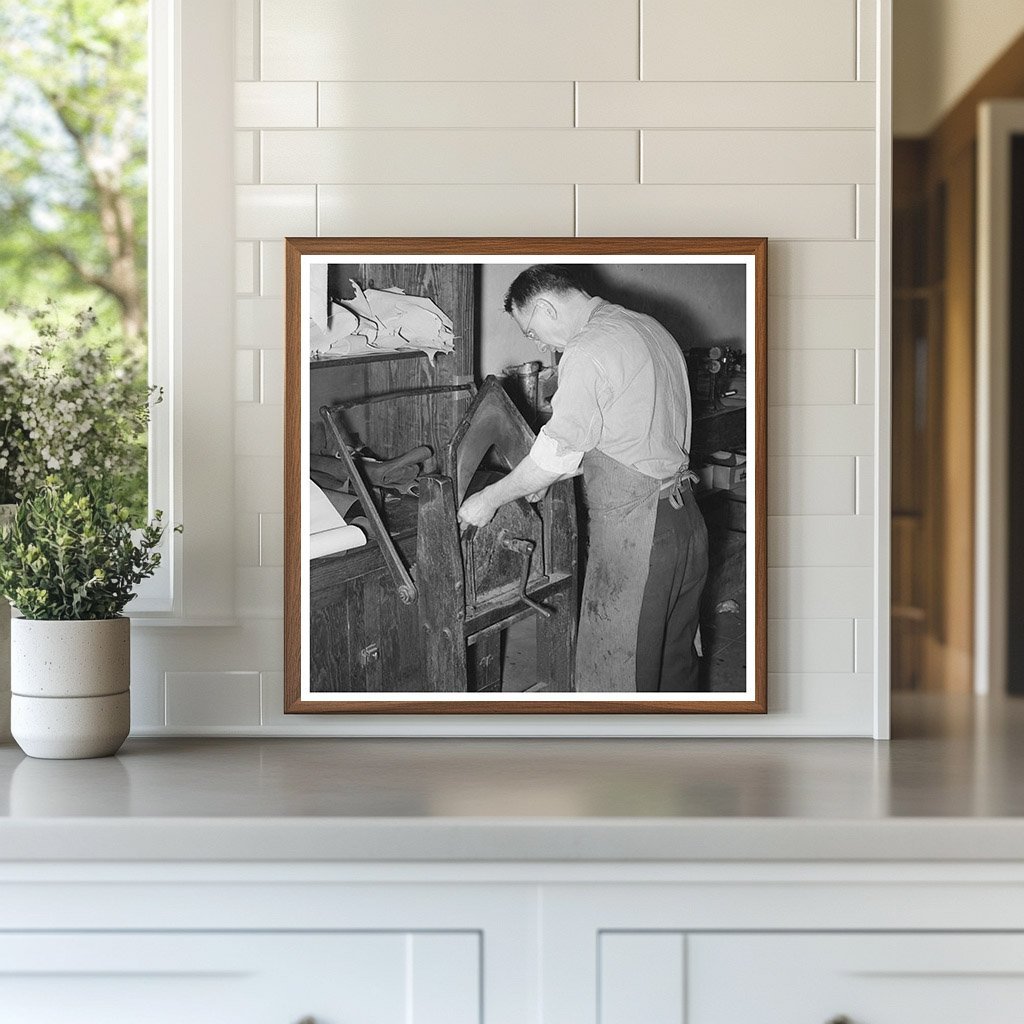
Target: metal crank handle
[[525, 549]]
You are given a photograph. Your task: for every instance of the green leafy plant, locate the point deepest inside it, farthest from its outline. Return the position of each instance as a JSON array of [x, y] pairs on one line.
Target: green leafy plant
[[72, 554], [75, 407]]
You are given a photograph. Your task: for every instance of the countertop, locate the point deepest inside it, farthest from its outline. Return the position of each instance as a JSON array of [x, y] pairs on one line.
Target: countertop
[[948, 787]]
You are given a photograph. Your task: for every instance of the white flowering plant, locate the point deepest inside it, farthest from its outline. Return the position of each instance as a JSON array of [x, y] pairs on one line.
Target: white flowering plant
[[75, 408]]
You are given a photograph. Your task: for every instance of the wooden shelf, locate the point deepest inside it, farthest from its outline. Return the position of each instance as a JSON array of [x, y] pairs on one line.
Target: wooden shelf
[[364, 357]]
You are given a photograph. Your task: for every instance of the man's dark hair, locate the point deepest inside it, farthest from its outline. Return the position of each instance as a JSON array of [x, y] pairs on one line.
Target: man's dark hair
[[544, 277]]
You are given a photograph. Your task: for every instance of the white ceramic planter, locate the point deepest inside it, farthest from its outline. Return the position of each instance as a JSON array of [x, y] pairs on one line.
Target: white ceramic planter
[[69, 684], [80, 658], [6, 516], [5, 671]]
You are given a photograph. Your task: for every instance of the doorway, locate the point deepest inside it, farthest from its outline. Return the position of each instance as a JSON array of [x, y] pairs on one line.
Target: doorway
[[999, 492], [952, 594]]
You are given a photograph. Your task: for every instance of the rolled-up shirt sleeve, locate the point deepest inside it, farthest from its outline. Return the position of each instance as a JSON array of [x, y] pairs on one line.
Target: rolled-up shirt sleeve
[[545, 453]]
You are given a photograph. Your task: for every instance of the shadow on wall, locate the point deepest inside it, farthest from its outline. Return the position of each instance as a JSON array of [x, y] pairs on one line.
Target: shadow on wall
[[698, 304]]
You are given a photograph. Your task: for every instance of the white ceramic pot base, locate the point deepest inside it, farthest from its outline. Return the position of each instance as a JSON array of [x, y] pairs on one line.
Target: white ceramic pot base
[[71, 727]]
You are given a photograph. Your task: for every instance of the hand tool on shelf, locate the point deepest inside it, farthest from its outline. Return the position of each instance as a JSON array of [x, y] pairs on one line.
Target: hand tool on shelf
[[399, 574]]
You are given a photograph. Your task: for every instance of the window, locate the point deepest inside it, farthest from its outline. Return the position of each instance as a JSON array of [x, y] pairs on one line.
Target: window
[[180, 178], [74, 223]]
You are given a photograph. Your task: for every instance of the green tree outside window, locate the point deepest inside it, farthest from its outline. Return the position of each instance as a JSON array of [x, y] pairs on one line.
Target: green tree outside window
[[73, 175]]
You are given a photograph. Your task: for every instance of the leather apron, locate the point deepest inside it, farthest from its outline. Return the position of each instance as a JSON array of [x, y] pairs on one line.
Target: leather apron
[[622, 505]]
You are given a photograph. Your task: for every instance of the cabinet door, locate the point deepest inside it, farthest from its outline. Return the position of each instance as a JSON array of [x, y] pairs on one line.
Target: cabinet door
[[242, 978], [862, 978]]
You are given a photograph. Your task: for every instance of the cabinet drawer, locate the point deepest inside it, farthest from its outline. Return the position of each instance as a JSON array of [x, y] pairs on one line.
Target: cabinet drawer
[[242, 978], [866, 978]]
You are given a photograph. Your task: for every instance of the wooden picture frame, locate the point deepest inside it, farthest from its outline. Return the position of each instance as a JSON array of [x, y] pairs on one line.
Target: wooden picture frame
[[413, 621]]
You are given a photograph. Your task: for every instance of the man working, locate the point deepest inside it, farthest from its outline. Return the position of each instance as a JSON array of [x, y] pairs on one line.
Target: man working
[[622, 410]]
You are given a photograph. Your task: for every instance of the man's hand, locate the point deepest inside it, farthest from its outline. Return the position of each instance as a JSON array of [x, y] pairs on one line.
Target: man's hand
[[526, 479], [536, 496], [478, 509]]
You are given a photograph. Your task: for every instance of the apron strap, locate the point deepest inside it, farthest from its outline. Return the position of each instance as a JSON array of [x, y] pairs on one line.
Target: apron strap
[[677, 486]]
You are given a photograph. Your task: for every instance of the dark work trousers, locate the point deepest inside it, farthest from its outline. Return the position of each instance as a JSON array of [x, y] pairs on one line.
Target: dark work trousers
[[666, 660]]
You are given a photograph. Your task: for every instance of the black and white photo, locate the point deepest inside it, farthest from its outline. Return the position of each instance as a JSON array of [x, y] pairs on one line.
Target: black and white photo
[[525, 475]]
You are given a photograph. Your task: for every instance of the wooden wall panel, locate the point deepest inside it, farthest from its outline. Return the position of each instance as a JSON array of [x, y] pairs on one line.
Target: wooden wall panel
[[452, 287]]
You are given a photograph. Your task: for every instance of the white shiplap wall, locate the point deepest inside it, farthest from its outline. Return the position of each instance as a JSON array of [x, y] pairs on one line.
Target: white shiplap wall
[[547, 117]]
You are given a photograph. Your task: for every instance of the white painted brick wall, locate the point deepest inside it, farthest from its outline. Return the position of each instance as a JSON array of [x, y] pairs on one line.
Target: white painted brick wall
[[776, 211], [812, 376], [750, 41], [633, 117], [810, 486], [813, 269], [434, 156], [450, 40], [446, 209], [865, 376], [809, 537], [276, 105], [726, 105], [753, 157], [447, 105], [810, 321]]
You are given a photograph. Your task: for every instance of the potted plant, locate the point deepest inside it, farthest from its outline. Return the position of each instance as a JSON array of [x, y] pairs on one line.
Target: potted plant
[[72, 404], [69, 563], [10, 434]]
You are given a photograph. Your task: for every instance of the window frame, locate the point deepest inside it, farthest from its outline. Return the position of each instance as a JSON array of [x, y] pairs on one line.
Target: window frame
[[191, 305]]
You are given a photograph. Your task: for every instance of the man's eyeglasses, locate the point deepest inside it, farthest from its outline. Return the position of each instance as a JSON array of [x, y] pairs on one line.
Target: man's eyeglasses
[[526, 330]]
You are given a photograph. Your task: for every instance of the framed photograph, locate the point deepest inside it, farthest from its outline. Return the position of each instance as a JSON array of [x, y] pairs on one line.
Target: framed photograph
[[525, 475]]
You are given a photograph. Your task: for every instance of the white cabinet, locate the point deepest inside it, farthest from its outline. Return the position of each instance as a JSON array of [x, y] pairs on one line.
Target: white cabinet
[[242, 978], [786, 944], [435, 978], [511, 943], [641, 977], [672, 978], [869, 979], [262, 944]]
